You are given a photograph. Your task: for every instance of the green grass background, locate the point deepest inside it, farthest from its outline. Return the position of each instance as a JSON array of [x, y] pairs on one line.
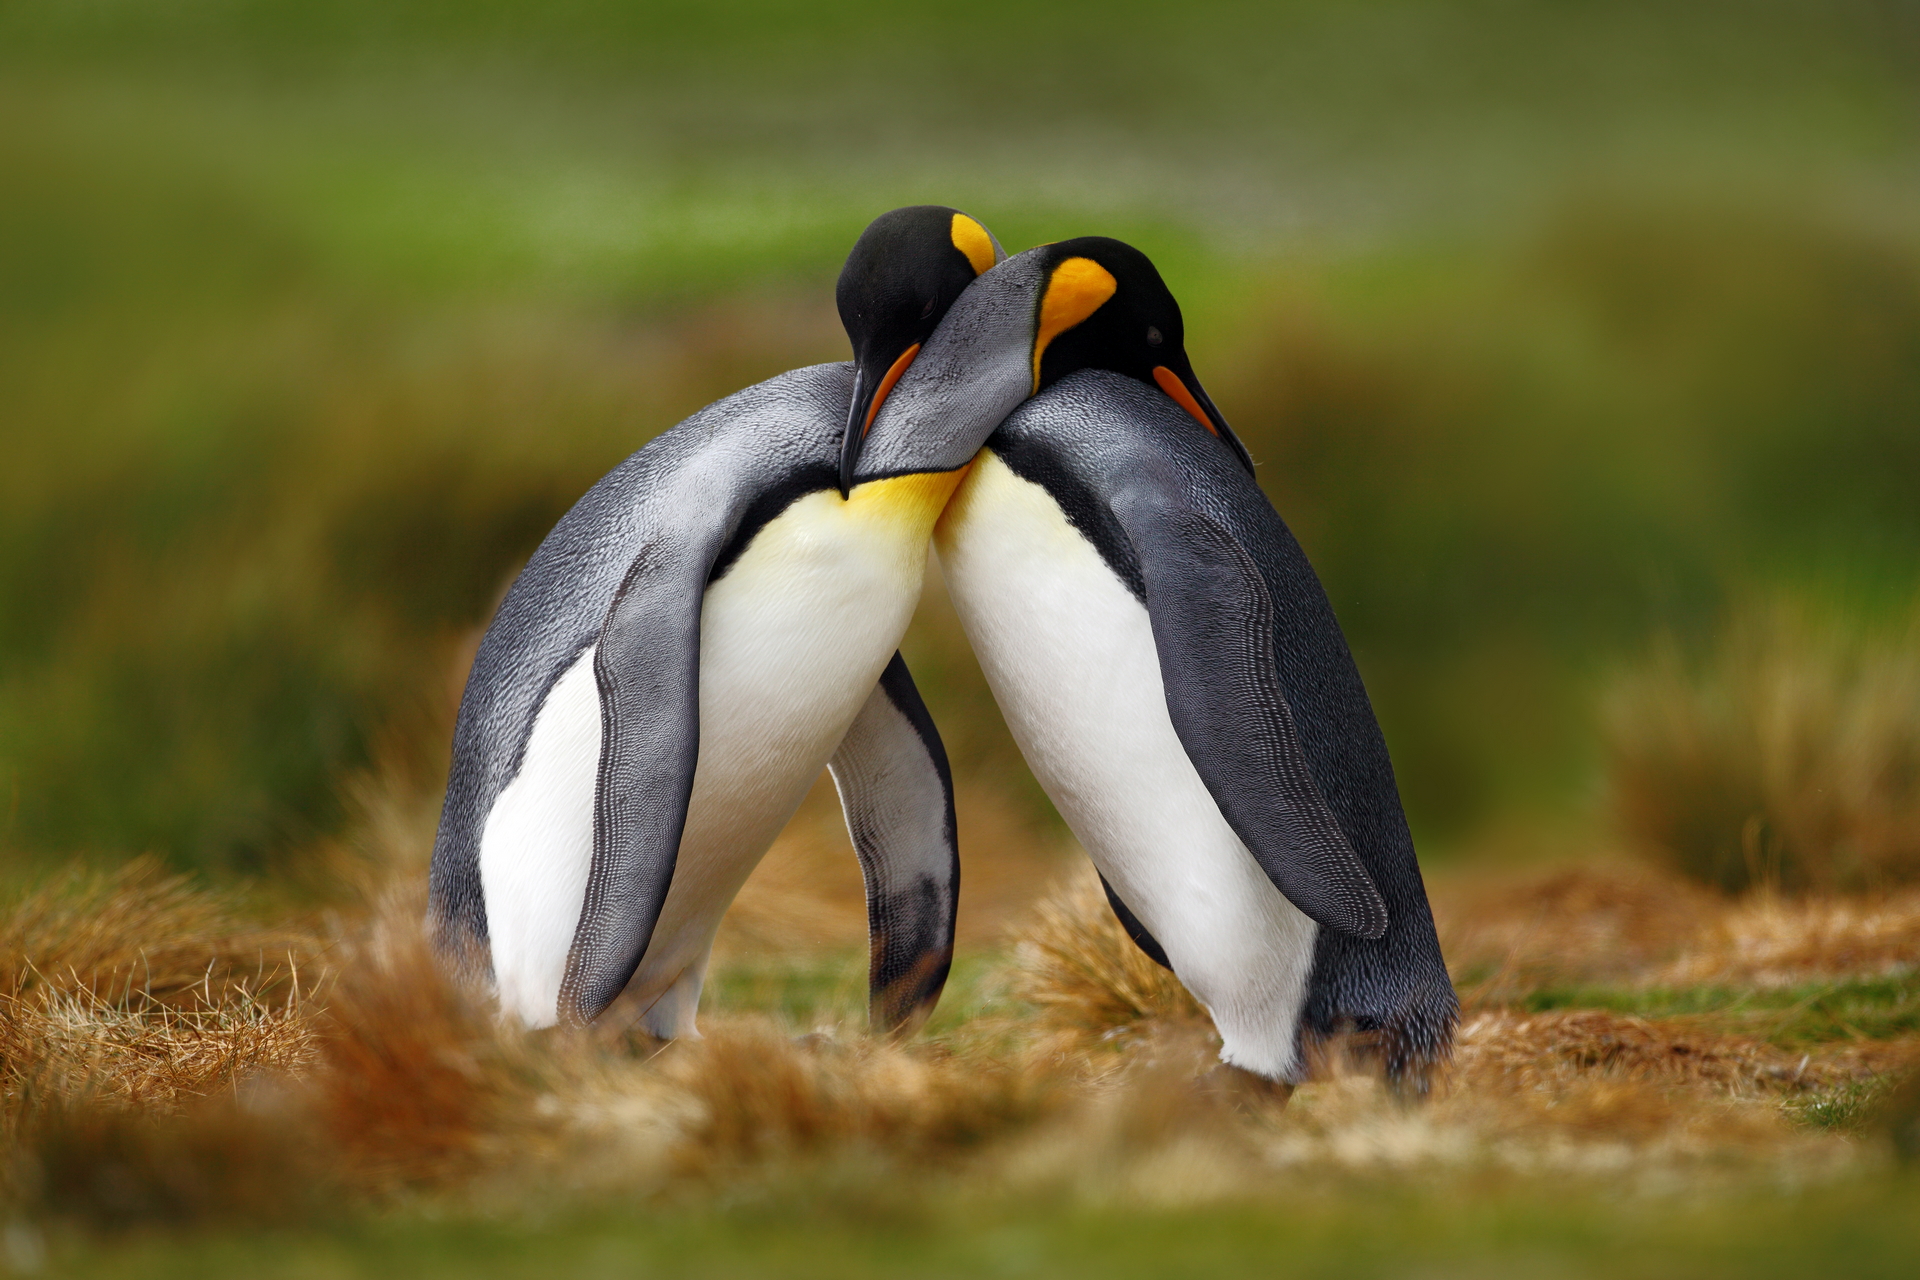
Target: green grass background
[[1330, 1232], [1551, 324]]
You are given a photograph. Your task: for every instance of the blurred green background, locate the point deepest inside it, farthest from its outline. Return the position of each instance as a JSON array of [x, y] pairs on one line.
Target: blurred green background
[[1554, 326]]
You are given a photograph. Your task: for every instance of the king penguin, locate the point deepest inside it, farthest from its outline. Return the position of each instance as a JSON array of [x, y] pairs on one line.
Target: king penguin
[[1171, 668], [714, 621]]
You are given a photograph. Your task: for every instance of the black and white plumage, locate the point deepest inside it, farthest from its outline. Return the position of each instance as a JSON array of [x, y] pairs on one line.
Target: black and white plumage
[[706, 629], [1175, 676]]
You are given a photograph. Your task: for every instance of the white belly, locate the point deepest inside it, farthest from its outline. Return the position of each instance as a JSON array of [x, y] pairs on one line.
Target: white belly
[[1070, 656], [792, 640]]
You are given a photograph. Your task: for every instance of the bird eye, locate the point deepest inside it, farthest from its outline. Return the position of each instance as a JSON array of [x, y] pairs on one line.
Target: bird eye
[[1153, 336], [927, 310]]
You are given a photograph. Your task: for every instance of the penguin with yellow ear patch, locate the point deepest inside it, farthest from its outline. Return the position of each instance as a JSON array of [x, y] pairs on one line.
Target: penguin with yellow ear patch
[[1174, 674], [712, 623]]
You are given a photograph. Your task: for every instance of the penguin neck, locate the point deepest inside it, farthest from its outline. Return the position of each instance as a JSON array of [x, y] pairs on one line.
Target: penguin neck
[[906, 505]]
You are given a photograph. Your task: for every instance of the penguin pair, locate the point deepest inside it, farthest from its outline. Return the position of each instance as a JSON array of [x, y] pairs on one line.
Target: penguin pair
[[1164, 654]]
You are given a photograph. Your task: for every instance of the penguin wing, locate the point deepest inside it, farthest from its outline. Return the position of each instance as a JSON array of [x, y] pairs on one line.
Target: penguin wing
[[897, 793], [1213, 625], [646, 664]]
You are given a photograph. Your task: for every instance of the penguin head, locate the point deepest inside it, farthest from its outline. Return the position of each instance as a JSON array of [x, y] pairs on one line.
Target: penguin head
[[903, 275], [1103, 306], [1091, 303]]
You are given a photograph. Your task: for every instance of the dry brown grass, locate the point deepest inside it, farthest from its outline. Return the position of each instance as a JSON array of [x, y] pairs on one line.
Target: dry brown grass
[[1087, 1075], [143, 1024], [1505, 934], [414, 1066], [1788, 757], [74, 1046], [1642, 926], [1589, 1124], [136, 988], [1087, 981], [759, 1091], [1583, 1093], [1502, 1048], [1579, 1090], [136, 936], [1765, 941]]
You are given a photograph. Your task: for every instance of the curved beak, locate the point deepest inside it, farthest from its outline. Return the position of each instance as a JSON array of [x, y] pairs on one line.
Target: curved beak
[[1186, 391], [975, 369], [1219, 423], [869, 395], [856, 433]]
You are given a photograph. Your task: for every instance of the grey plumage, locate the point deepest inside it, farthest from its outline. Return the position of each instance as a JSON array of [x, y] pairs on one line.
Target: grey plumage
[[625, 572], [708, 468], [1213, 626]]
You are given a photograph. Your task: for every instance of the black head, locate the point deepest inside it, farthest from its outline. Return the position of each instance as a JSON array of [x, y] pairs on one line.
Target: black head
[[903, 274], [1105, 307]]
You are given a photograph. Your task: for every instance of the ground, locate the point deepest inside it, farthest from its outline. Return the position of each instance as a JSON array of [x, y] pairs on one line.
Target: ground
[[1649, 1075]]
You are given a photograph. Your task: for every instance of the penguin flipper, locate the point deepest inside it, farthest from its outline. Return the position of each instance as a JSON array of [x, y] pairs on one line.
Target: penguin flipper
[[1213, 625], [646, 665], [897, 793]]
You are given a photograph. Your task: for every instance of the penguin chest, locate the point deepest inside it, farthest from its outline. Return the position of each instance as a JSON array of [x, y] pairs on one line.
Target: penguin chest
[[792, 640], [1069, 653]]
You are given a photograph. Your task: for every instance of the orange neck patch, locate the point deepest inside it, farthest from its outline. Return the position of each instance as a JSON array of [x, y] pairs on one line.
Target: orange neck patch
[[1170, 383], [970, 238], [1077, 288]]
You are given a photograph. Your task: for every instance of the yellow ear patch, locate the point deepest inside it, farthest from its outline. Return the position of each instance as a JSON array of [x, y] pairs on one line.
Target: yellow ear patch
[[970, 238], [1077, 288]]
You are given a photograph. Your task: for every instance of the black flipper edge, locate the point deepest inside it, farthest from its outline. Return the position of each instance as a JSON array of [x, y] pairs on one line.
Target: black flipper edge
[[897, 792], [1135, 930]]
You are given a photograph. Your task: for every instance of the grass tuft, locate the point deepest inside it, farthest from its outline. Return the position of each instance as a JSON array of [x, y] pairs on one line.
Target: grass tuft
[[74, 1045], [136, 937], [1086, 980], [415, 1069], [1787, 758], [761, 1092]]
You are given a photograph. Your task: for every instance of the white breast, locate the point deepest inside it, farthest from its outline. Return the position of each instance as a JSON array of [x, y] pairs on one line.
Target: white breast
[[1070, 656], [792, 640]]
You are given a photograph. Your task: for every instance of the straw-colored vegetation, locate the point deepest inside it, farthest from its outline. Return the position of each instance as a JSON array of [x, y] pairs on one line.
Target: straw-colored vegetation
[[134, 986], [1602, 1036], [1788, 757]]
